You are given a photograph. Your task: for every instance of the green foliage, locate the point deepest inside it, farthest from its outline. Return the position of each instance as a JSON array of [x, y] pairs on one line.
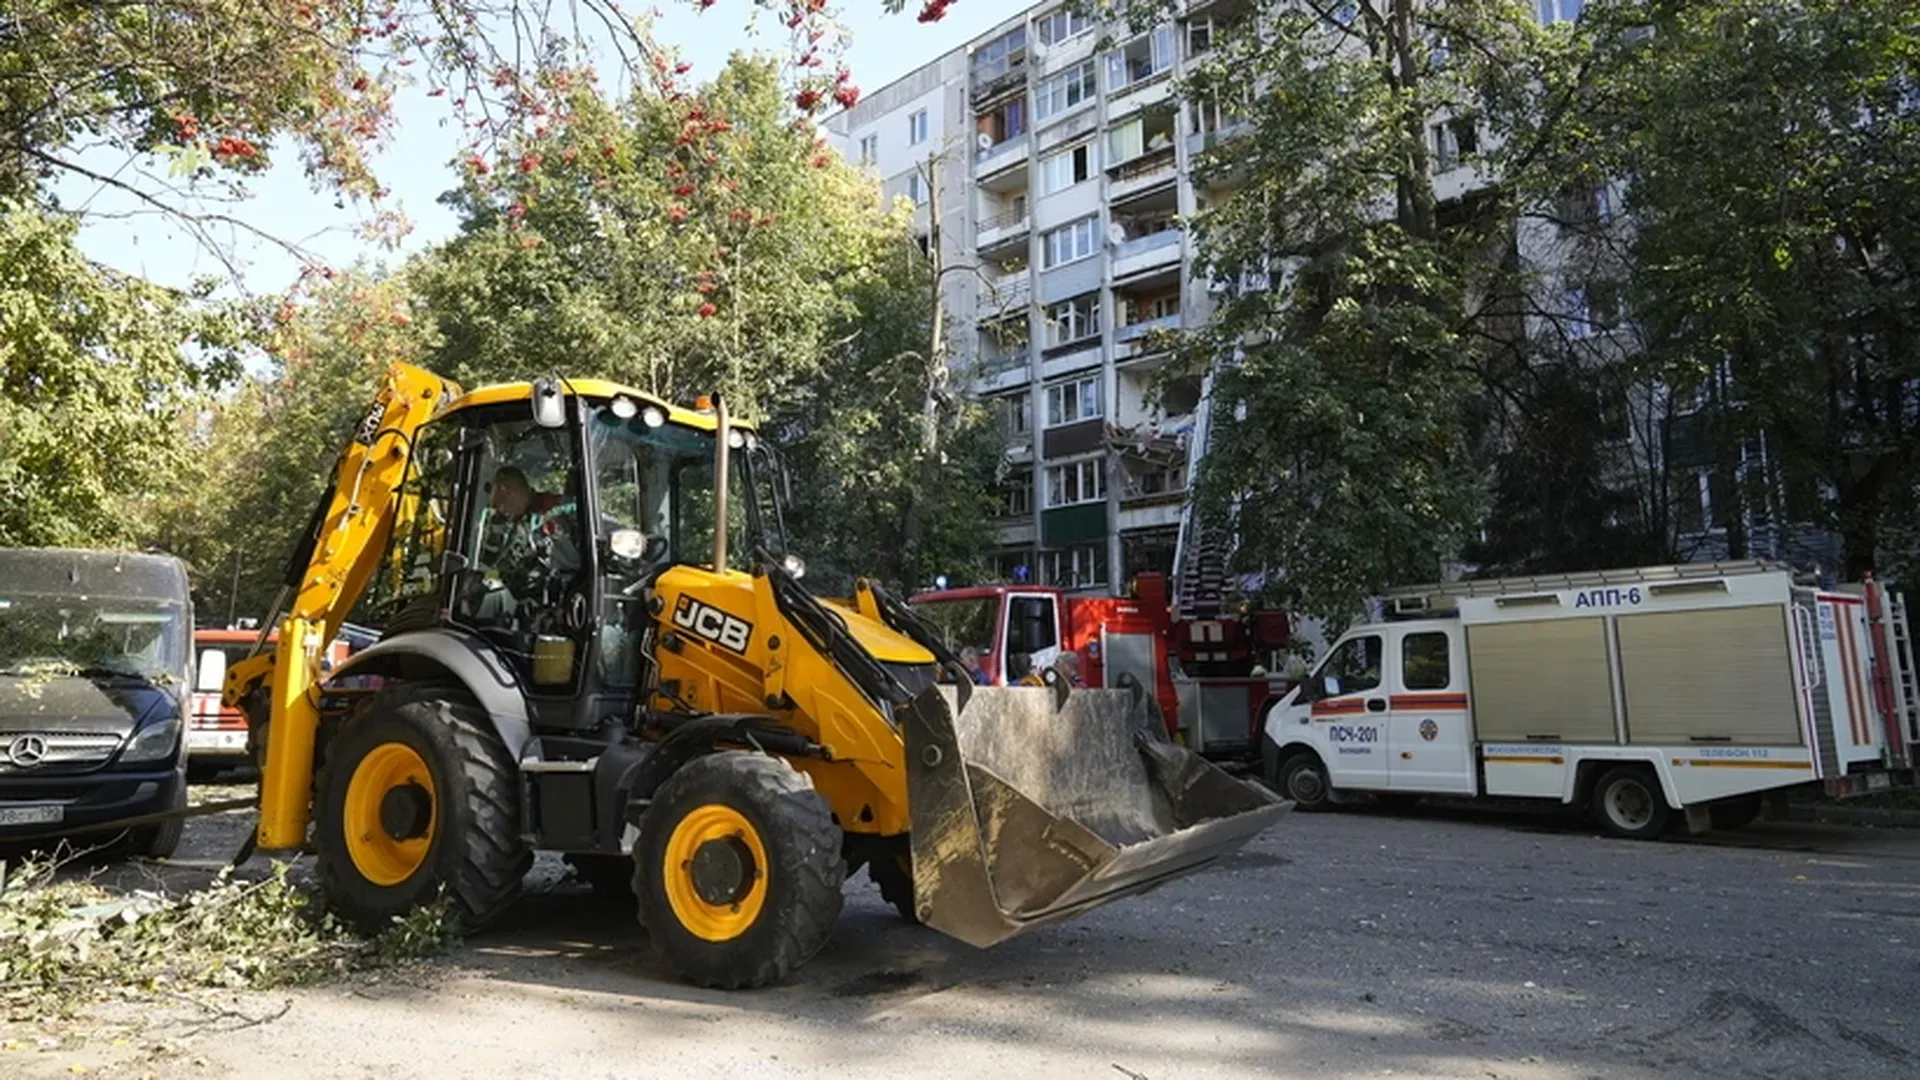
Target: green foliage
[[875, 495], [100, 379], [684, 244], [1774, 151], [1562, 500], [700, 242], [1348, 344], [65, 943], [271, 445]]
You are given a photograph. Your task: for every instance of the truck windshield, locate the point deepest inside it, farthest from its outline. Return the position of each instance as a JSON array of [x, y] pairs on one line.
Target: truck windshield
[[961, 623], [58, 635]]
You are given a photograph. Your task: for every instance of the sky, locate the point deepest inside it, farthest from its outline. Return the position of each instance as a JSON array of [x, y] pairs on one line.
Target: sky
[[415, 163]]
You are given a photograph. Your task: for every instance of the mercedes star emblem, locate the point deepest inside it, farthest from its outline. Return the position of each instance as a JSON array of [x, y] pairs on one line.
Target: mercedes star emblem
[[27, 750]]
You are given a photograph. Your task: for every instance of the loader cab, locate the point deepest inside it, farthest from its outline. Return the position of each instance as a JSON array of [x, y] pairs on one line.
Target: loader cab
[[543, 538]]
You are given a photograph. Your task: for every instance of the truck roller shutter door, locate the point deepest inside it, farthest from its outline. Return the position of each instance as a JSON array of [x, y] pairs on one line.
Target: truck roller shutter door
[[1544, 678], [1722, 675]]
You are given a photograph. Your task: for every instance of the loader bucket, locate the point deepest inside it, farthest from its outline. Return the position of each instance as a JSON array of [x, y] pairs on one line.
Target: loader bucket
[[1027, 810]]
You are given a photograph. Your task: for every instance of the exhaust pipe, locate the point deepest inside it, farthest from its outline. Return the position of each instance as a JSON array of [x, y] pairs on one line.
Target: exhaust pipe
[[721, 434]]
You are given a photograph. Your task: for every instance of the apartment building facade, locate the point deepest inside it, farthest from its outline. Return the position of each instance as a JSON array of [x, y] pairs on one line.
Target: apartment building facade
[[1061, 160]]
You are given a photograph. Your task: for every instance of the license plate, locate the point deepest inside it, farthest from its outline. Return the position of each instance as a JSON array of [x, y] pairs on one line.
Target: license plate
[[216, 740], [32, 815]]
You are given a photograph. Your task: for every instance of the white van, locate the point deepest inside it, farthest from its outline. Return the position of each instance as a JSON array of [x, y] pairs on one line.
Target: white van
[[1643, 693]]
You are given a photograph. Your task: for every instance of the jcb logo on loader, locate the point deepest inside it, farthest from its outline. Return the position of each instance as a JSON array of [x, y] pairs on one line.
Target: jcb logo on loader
[[713, 624]]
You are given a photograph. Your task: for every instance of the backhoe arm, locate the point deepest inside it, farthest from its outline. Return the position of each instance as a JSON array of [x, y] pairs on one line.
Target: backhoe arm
[[327, 575]]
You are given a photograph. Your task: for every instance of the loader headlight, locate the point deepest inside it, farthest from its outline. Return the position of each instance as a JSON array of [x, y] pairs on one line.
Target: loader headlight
[[795, 565], [153, 742]]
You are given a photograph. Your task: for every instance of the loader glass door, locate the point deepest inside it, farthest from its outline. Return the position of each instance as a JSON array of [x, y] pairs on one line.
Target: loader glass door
[[524, 580], [653, 477]]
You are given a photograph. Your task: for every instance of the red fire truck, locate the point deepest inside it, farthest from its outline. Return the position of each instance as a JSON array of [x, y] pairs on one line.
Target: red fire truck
[[1208, 674]]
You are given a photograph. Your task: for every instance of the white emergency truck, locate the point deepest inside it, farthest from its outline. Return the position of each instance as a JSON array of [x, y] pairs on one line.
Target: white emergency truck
[[1647, 694]]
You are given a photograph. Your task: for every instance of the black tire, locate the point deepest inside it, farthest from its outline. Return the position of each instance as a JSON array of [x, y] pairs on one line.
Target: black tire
[[161, 840], [1303, 779], [805, 869], [474, 852], [892, 870], [1735, 813], [1628, 803], [609, 876]]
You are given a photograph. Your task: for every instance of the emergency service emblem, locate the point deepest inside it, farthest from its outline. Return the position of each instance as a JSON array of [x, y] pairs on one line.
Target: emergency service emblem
[[1429, 730], [713, 624]]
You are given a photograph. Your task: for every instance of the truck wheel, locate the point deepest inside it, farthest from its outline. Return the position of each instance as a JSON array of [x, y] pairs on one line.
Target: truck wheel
[[1735, 813], [738, 869], [1629, 803], [419, 796], [1304, 780], [892, 870]]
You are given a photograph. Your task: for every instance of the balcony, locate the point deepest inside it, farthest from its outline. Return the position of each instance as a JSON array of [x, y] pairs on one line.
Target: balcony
[[999, 230], [1005, 295], [1129, 340], [1003, 370], [1145, 253], [1003, 155], [1153, 169], [999, 68]]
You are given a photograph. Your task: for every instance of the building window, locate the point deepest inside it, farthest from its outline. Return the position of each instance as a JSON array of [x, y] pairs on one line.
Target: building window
[[1068, 243], [1453, 142], [869, 149], [1073, 320], [1559, 11], [1079, 567], [1200, 36], [1690, 501], [1156, 479], [1060, 171], [917, 188], [1005, 123], [1140, 59], [1062, 92], [1062, 24], [1141, 135], [1016, 495], [1071, 402], [1076, 482], [1001, 55], [1016, 412], [917, 128], [1141, 309]]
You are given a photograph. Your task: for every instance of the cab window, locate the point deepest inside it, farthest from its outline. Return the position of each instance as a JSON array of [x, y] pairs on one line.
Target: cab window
[[1354, 665], [1424, 661]]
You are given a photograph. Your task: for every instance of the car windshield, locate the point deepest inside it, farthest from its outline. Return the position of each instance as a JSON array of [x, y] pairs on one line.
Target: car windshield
[[50, 636], [961, 624]]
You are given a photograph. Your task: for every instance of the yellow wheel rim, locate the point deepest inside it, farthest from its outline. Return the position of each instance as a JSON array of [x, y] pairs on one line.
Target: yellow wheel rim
[[715, 870], [391, 812]]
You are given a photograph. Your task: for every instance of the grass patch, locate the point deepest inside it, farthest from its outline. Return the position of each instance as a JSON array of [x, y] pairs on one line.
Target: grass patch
[[67, 943]]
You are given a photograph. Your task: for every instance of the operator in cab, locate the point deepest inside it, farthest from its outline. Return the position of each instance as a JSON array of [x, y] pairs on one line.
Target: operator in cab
[[528, 546]]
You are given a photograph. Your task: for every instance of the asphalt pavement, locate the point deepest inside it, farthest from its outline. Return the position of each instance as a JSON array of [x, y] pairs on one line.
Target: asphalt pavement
[[1438, 943]]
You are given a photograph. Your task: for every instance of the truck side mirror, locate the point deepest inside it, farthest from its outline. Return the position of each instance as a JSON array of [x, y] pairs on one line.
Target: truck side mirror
[[1329, 686]]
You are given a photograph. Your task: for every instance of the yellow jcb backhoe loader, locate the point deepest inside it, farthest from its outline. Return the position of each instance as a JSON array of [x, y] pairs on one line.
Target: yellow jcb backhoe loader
[[595, 643]]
